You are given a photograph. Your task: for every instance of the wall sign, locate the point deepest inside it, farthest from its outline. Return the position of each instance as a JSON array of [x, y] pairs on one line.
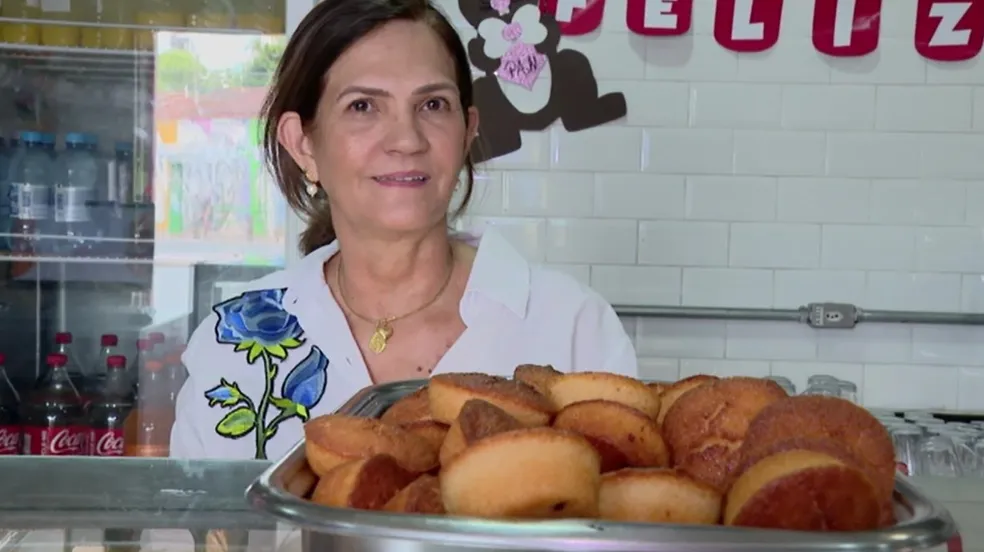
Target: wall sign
[[748, 25], [529, 83], [944, 30], [846, 28], [949, 30], [659, 18]]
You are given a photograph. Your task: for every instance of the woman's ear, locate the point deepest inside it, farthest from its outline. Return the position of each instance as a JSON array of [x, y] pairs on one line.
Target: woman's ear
[[290, 134]]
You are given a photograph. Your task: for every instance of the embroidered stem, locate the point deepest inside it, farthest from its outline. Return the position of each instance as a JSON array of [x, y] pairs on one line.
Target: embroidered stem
[[261, 410], [272, 426]]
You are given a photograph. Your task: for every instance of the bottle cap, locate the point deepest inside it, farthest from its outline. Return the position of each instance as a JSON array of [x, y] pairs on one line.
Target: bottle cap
[[156, 337], [116, 361], [29, 136], [63, 338], [57, 359], [144, 345], [109, 340], [3, 359]]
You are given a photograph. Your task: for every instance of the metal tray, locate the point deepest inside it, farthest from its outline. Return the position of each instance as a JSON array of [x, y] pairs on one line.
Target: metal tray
[[923, 522]]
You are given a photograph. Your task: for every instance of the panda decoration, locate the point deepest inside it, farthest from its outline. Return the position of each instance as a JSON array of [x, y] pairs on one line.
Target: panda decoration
[[528, 83]]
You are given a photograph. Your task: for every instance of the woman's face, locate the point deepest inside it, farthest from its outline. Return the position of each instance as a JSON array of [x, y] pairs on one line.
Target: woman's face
[[389, 138]]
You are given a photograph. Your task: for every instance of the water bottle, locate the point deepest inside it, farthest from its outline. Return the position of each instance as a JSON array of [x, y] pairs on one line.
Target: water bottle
[[30, 196], [119, 195], [48, 141], [78, 176], [121, 177]]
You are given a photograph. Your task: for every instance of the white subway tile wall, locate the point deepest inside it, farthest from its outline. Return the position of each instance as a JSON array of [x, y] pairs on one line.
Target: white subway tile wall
[[769, 180]]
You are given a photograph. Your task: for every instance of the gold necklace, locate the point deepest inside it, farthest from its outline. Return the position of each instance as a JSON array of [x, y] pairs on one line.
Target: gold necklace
[[384, 326]]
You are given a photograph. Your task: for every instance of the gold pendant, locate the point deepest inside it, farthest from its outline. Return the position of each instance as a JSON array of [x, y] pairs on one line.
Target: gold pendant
[[377, 343]]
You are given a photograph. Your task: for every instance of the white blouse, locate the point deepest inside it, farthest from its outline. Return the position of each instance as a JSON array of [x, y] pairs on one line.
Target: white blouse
[[282, 352]]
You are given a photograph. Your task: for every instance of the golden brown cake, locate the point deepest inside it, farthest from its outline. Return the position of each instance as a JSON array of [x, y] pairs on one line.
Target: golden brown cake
[[537, 376], [334, 439], [532, 473], [803, 490], [657, 495], [622, 435], [657, 387], [477, 420], [412, 408], [586, 386], [820, 418], [367, 483], [431, 431], [706, 426], [449, 392], [670, 393], [423, 496]]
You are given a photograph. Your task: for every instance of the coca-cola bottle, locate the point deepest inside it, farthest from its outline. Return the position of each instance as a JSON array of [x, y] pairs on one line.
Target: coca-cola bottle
[[145, 350], [10, 424], [147, 431], [53, 417], [157, 339], [93, 383], [63, 346], [109, 409], [175, 370]]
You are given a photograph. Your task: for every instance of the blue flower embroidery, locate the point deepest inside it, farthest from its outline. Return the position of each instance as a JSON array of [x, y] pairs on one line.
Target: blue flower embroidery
[[257, 323], [305, 384]]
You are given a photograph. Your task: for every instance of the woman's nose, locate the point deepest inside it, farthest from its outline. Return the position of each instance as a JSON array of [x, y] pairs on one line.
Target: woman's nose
[[406, 135]]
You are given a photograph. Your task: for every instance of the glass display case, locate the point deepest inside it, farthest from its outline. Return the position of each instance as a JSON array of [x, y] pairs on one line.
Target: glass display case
[[127, 504], [132, 198]]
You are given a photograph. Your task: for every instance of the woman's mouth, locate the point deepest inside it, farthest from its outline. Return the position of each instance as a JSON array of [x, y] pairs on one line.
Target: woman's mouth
[[409, 179]]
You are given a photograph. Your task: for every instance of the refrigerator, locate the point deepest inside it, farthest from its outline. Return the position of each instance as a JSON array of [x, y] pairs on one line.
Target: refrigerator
[[133, 194]]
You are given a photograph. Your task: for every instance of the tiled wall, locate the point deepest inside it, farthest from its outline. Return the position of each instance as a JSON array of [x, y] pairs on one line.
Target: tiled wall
[[770, 180]]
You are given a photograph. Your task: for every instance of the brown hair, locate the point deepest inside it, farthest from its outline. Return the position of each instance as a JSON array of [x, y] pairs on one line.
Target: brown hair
[[327, 31]]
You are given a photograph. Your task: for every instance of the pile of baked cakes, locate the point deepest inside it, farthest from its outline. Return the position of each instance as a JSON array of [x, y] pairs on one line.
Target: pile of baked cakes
[[735, 451]]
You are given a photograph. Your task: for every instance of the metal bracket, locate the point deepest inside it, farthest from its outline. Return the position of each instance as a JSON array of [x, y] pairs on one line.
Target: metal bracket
[[832, 316]]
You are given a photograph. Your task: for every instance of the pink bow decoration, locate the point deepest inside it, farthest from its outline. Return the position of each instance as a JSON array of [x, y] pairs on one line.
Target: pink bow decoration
[[501, 6]]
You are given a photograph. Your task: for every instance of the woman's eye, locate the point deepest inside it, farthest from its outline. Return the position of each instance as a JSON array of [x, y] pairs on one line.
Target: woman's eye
[[437, 104], [361, 106]]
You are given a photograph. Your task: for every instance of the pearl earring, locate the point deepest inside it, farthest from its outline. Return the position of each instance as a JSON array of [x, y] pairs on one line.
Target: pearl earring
[[311, 188]]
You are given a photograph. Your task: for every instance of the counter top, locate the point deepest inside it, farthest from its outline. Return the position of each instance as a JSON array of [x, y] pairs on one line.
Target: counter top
[[73, 492], [50, 493], [964, 498]]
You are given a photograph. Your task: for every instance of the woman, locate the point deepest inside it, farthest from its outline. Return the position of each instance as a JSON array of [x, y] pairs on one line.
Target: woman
[[368, 127]]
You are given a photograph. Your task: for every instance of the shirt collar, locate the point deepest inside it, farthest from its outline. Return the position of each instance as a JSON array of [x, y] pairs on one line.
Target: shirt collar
[[499, 273]]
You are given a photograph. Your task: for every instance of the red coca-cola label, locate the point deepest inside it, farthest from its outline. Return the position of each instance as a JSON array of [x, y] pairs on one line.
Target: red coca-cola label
[[56, 441], [106, 442], [10, 440]]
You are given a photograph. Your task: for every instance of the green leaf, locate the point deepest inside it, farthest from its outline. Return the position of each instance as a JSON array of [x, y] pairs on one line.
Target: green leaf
[[254, 353], [244, 345], [282, 403], [277, 351], [291, 343], [237, 423], [302, 412]]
